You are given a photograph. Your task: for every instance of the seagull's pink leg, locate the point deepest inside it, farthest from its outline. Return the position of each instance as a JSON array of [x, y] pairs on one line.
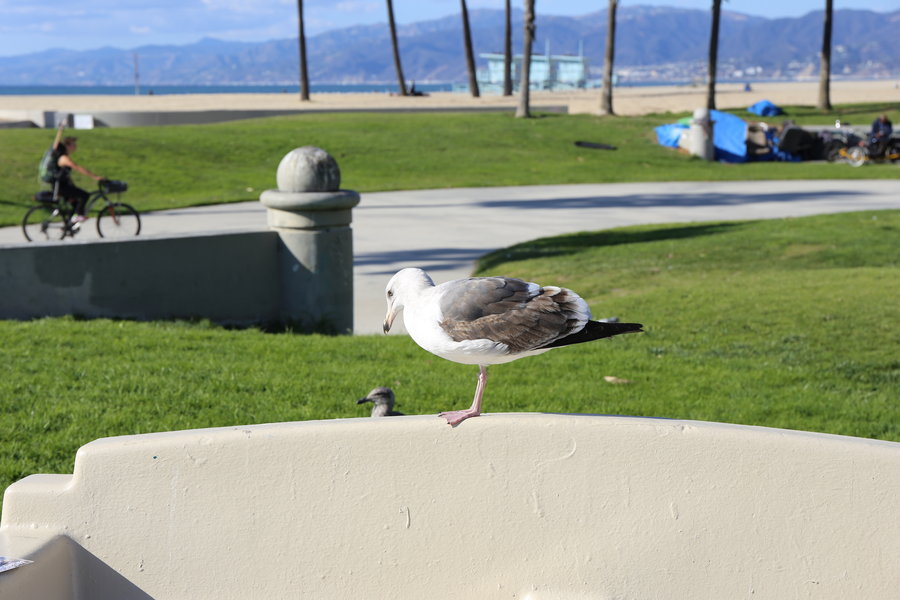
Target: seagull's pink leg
[[455, 417]]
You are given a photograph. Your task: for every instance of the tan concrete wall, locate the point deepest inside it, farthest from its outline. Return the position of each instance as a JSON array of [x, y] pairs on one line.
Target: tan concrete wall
[[503, 506], [229, 278]]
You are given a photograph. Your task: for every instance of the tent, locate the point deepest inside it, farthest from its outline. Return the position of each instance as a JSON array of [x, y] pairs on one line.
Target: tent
[[764, 108]]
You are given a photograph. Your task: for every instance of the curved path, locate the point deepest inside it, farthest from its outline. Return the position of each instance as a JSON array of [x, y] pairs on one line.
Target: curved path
[[445, 231]]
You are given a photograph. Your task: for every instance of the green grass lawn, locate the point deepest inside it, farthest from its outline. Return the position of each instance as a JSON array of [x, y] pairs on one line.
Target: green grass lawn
[[785, 323], [177, 166]]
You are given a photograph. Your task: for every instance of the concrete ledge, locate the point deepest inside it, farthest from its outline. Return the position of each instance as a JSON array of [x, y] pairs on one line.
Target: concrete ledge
[[504, 506], [17, 125], [229, 278], [38, 118]]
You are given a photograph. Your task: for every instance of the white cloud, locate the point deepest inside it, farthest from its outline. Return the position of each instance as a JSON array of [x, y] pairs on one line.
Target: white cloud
[[351, 6], [245, 6]]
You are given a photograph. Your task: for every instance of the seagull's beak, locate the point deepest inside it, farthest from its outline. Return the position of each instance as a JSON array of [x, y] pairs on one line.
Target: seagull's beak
[[363, 400], [389, 320], [394, 306]]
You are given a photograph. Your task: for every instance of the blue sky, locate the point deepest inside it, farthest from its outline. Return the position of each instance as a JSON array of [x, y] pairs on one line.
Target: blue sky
[[34, 25]]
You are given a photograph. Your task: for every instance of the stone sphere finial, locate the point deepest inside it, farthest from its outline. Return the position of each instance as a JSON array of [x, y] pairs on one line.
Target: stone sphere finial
[[308, 169]]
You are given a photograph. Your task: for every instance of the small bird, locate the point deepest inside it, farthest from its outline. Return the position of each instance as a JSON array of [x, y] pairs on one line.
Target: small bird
[[383, 400], [490, 320]]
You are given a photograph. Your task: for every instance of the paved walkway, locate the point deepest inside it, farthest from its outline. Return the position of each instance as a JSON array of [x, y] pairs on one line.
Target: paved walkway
[[445, 231]]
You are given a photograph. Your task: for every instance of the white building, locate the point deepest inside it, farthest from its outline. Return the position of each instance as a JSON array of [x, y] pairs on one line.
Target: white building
[[548, 71]]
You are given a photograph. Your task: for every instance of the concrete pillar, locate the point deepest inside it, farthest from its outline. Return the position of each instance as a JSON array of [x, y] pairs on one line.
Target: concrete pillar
[[702, 135], [312, 216]]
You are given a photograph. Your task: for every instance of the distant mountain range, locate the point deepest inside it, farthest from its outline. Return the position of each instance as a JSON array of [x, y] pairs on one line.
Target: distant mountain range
[[651, 43]]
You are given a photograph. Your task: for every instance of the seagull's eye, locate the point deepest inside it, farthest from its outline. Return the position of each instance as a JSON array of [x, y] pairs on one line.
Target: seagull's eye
[[390, 293]]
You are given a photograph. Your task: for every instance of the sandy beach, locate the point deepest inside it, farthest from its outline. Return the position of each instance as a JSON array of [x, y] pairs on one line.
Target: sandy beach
[[626, 100]]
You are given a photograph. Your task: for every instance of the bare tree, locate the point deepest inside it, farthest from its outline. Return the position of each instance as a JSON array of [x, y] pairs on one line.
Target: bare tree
[[713, 55], [825, 64], [470, 55], [524, 108], [507, 52], [606, 106], [400, 80], [304, 73]]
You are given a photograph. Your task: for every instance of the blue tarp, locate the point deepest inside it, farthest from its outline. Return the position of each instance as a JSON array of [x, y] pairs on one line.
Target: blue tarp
[[764, 108], [668, 135], [729, 136]]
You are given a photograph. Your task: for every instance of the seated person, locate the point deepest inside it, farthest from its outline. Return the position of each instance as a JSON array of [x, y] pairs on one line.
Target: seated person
[[65, 186], [880, 136]]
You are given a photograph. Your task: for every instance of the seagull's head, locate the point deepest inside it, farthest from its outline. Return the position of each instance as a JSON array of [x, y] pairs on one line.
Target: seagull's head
[[380, 395], [403, 286]]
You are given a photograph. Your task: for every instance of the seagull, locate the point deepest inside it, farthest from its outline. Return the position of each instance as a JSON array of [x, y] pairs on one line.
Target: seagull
[[490, 320], [383, 400]]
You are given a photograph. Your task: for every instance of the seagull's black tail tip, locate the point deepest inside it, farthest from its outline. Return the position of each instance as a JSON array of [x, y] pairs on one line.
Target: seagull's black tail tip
[[611, 329], [596, 330]]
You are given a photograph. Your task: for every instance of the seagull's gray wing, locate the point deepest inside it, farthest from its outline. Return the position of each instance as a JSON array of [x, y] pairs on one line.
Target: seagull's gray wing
[[510, 311]]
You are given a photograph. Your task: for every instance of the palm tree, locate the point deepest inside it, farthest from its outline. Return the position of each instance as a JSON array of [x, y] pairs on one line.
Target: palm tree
[[304, 74], [825, 66], [606, 107], [524, 108], [507, 52], [470, 55], [713, 55], [400, 80]]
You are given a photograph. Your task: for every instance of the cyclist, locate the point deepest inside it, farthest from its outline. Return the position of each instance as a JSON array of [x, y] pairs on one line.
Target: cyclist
[[65, 186]]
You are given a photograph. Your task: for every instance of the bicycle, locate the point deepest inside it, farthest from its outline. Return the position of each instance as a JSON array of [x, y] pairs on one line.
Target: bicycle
[[52, 218], [859, 153]]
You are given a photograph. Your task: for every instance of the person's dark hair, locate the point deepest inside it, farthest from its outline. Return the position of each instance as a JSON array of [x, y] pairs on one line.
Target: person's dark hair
[[63, 145]]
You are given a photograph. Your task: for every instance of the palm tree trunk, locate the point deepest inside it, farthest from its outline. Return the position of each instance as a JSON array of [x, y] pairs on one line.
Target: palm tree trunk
[[470, 55], [713, 55], [524, 108], [825, 65], [507, 52], [399, 67], [304, 74], [606, 107]]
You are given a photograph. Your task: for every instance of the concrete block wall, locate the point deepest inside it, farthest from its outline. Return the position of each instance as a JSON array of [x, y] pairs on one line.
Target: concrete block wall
[[230, 278]]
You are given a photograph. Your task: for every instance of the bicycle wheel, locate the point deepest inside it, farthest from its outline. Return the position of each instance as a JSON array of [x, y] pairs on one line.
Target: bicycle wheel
[[833, 150], [118, 220], [42, 223], [857, 156]]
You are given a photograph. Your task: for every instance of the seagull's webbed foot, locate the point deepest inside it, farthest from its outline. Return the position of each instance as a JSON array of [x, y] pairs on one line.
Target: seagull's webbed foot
[[455, 417]]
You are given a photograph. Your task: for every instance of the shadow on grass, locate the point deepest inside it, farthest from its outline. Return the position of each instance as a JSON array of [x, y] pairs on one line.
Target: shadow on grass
[[572, 244], [860, 109], [18, 203], [674, 199]]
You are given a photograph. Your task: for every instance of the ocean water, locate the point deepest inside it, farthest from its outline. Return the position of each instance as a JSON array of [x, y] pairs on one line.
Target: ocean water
[[385, 88], [129, 90]]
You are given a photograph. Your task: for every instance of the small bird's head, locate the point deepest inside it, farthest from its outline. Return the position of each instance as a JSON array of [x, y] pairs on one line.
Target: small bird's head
[[382, 398], [402, 285]]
